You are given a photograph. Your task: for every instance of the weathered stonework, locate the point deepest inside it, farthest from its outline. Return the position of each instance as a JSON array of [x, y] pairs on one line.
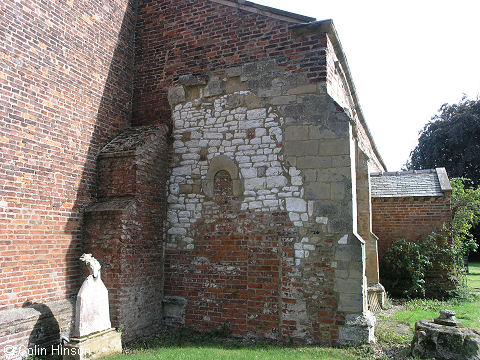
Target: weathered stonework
[[289, 153], [445, 338]]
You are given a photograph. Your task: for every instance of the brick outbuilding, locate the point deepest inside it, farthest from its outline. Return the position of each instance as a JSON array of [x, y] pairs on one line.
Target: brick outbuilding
[[409, 204]]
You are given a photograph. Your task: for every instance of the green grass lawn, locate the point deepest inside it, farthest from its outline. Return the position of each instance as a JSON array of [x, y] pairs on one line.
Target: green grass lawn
[[467, 312], [474, 276], [212, 352]]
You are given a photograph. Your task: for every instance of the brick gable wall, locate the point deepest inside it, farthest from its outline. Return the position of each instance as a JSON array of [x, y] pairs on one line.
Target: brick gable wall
[[176, 38], [407, 218]]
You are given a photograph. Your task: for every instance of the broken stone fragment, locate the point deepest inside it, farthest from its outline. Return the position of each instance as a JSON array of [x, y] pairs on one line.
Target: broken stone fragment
[[445, 338], [447, 318]]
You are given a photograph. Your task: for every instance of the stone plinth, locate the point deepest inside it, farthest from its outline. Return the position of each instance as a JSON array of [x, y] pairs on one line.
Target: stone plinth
[[445, 342], [358, 329], [376, 297], [93, 346]]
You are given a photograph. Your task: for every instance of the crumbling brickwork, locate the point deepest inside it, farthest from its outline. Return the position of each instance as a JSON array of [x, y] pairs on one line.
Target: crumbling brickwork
[[124, 227], [176, 38]]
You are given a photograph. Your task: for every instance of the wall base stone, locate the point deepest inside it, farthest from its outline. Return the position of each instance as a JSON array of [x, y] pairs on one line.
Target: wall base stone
[[94, 346], [358, 329], [376, 297]]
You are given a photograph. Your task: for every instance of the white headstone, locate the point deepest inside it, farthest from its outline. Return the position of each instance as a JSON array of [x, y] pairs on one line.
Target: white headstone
[[92, 313]]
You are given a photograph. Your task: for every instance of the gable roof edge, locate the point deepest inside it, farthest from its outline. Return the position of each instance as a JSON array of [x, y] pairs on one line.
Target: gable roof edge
[[266, 11]]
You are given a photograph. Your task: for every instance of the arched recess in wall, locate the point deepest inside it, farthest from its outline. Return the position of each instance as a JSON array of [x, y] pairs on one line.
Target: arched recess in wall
[[217, 164]]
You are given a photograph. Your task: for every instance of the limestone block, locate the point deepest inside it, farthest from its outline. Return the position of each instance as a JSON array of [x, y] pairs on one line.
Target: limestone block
[[283, 99], [313, 162], [177, 231], [256, 114], [254, 184], [301, 148], [234, 71], [345, 252], [182, 170], [317, 132], [276, 181], [293, 133], [176, 95], [249, 173], [340, 225], [318, 191], [214, 87], [355, 269], [350, 302], [296, 205], [348, 286], [358, 329], [341, 161], [303, 89], [192, 80], [337, 190], [94, 346], [297, 180], [334, 147]]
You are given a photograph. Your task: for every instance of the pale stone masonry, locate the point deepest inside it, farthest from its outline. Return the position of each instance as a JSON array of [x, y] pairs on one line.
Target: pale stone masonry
[[290, 148]]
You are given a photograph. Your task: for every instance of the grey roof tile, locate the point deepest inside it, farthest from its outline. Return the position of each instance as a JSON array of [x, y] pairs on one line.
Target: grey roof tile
[[406, 183]]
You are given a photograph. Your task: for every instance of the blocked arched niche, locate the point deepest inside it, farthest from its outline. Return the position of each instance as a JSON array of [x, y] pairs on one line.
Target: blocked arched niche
[[217, 164]]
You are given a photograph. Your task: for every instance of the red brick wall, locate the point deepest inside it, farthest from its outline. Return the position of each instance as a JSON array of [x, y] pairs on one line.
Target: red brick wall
[[124, 228], [407, 218], [178, 37], [242, 273], [65, 90]]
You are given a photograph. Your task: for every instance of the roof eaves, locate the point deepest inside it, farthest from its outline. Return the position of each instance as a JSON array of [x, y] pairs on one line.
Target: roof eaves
[[266, 11]]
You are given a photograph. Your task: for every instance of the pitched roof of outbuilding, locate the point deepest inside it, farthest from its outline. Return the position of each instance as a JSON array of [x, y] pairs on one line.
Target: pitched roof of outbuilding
[[433, 182]]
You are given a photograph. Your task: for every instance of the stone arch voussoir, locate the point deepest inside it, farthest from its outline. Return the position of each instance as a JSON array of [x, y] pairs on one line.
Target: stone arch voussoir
[[217, 164]]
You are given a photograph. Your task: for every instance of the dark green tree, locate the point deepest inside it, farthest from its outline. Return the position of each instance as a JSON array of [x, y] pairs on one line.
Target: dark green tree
[[452, 140]]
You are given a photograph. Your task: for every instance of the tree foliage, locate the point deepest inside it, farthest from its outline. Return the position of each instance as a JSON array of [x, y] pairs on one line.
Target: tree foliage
[[431, 266], [426, 267], [452, 140], [465, 214]]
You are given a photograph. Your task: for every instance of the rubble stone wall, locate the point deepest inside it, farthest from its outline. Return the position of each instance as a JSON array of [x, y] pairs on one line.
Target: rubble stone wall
[[282, 258]]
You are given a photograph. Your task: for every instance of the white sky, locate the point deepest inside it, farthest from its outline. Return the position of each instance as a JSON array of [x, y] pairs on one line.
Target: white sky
[[406, 57]]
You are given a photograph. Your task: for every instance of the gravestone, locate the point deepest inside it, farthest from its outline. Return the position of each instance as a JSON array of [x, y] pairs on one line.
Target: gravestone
[[93, 335]]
